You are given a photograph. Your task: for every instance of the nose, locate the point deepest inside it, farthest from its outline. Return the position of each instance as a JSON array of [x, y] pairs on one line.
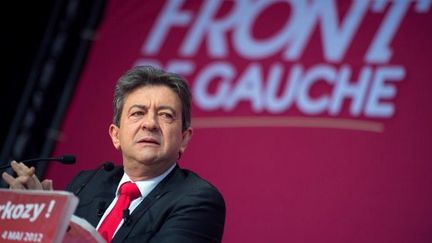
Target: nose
[[150, 121]]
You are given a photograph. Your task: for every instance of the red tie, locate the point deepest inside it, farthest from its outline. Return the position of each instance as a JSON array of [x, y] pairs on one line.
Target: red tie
[[128, 192]]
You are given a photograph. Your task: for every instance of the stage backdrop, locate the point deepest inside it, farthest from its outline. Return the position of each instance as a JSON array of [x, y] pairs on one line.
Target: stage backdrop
[[313, 118]]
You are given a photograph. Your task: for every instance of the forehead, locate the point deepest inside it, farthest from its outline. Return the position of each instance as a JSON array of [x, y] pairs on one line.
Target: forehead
[[153, 94]]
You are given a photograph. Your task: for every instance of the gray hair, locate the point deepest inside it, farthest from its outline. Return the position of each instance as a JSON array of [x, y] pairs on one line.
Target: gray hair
[[141, 76]]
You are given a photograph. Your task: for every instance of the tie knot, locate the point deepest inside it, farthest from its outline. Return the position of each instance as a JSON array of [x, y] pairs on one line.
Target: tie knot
[[130, 189]]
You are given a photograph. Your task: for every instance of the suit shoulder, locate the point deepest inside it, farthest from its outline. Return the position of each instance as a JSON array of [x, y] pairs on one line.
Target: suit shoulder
[[100, 176], [195, 179], [195, 184]]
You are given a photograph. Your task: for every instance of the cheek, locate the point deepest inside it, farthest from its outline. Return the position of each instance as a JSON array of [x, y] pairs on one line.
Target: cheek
[[126, 135], [174, 137]]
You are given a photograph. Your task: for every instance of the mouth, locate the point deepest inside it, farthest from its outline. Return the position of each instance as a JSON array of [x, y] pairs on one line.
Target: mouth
[[148, 140]]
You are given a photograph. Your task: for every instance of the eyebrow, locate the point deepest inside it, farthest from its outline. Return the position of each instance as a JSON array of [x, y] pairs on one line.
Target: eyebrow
[[142, 107]]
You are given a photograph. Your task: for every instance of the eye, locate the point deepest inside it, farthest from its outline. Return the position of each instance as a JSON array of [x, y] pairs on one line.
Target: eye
[[137, 113], [166, 116]]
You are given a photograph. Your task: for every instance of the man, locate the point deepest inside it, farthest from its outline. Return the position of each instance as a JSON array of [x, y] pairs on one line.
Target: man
[[152, 128]]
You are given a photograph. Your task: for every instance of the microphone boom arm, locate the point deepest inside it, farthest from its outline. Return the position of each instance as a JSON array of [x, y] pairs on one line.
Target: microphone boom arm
[[65, 159]]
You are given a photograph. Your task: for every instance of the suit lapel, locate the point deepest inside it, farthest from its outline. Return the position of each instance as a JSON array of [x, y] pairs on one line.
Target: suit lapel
[[102, 194], [162, 188]]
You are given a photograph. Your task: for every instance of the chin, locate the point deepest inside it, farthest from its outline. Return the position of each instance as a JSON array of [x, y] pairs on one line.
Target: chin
[[148, 160]]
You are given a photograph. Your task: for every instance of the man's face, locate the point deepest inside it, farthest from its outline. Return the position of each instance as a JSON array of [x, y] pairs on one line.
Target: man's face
[[150, 131]]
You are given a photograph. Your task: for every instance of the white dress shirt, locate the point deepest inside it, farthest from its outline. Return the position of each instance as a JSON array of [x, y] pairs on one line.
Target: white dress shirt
[[145, 187]]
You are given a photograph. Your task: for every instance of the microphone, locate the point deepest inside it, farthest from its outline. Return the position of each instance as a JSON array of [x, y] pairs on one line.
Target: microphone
[[107, 166], [101, 208], [65, 159], [126, 217]]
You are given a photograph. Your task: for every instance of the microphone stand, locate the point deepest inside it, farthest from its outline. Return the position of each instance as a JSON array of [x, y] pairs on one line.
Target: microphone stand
[[107, 166]]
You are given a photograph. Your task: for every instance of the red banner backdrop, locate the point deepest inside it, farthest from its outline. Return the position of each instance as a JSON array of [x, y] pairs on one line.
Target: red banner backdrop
[[311, 117]]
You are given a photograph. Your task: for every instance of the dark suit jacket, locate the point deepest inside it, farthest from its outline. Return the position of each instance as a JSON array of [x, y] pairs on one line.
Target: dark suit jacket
[[182, 208]]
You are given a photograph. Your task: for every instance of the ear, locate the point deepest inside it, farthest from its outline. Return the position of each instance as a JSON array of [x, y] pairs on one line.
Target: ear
[[114, 134], [186, 137]]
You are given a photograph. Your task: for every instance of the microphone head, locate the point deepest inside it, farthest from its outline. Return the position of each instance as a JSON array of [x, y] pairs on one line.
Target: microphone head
[[67, 159], [108, 166]]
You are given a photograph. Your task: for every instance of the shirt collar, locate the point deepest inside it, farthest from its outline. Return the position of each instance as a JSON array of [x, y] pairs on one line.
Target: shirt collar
[[145, 186]]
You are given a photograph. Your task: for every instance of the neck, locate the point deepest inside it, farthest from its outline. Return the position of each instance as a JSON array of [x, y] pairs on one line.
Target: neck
[[139, 171]]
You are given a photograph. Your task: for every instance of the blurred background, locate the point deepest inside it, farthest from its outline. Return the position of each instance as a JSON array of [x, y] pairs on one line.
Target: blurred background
[[311, 117], [44, 48], [23, 30]]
